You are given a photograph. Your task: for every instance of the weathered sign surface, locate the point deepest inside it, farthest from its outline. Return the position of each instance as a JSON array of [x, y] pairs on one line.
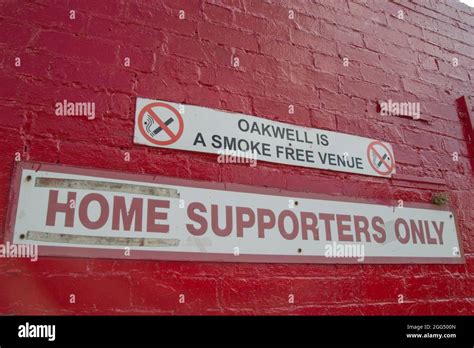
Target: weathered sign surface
[[194, 128], [73, 211], [90, 213]]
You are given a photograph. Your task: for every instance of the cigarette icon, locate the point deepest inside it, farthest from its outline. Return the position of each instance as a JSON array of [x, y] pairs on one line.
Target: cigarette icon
[[383, 158], [150, 122], [159, 129]]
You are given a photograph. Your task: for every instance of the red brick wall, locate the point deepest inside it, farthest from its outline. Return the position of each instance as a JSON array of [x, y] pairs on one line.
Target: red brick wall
[[282, 61]]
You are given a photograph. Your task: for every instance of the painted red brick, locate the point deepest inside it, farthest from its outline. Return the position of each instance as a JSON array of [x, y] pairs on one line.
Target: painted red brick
[[283, 61], [77, 47]]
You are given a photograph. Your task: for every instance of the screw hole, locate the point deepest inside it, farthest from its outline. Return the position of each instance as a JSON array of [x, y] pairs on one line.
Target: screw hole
[[299, 250], [296, 202], [22, 236], [28, 178]]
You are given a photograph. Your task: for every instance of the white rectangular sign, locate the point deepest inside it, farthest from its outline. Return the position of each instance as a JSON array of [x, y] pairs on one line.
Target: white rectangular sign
[[194, 128], [88, 213]]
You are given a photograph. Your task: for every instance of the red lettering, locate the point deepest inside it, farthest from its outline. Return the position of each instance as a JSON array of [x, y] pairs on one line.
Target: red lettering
[[398, 222], [309, 226], [439, 230], [327, 218], [153, 215], [84, 207], [428, 235], [197, 218], [417, 231], [120, 211], [241, 222], [55, 207], [222, 232], [262, 224], [378, 226], [361, 226], [281, 224], [341, 228]]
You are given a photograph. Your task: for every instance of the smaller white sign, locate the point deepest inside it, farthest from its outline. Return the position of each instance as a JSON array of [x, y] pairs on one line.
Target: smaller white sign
[[194, 128]]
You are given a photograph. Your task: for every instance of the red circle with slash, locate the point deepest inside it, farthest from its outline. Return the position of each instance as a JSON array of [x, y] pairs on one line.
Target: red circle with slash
[[380, 158], [173, 137]]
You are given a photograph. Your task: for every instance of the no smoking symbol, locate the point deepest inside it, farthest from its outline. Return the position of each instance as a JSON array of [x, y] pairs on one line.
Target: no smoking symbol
[[380, 158], [160, 123]]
